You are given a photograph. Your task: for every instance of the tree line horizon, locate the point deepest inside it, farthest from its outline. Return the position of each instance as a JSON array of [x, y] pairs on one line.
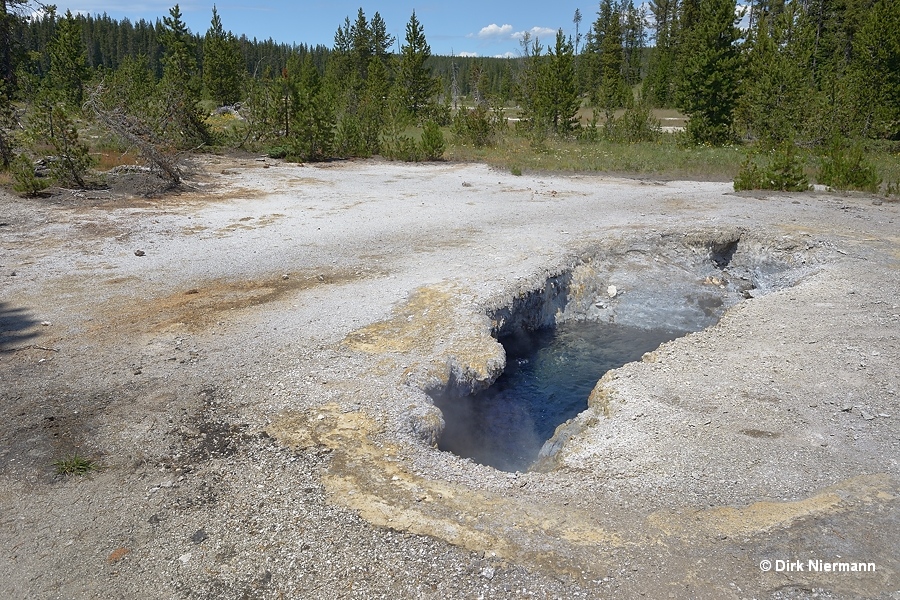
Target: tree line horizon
[[804, 71]]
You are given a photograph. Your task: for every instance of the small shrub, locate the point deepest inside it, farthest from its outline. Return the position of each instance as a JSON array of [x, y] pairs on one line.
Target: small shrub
[[226, 129], [433, 144], [700, 131], [277, 152], [892, 190], [476, 127], [590, 133], [309, 141], [401, 147], [749, 177], [786, 172], [350, 139], [783, 172], [844, 168], [517, 171], [437, 112], [111, 143], [25, 181], [538, 139], [637, 124], [74, 465]]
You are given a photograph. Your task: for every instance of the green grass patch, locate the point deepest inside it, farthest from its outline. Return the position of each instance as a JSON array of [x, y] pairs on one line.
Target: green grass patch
[[668, 158], [665, 159], [75, 465]]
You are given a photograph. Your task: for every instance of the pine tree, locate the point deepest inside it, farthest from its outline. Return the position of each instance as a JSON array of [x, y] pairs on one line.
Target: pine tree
[[179, 58], [709, 71], [130, 88], [606, 59], [73, 159], [688, 14], [381, 39], [262, 110], [10, 18], [312, 121], [342, 73], [576, 20], [361, 45], [358, 79], [371, 111], [432, 144], [828, 29], [50, 124], [772, 104], [528, 81], [342, 39], [659, 83], [416, 83], [613, 91], [8, 127], [558, 91], [25, 181], [68, 66], [222, 64], [634, 39], [51, 127], [126, 103], [355, 44], [876, 71], [179, 117]]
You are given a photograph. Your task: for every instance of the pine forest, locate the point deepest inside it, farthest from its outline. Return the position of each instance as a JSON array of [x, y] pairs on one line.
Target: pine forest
[[778, 94]]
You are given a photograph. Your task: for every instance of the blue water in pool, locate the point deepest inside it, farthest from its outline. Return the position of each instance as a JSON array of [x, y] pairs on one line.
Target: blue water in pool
[[548, 377]]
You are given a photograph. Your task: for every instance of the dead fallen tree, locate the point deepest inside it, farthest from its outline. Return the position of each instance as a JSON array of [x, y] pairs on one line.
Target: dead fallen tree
[[136, 132]]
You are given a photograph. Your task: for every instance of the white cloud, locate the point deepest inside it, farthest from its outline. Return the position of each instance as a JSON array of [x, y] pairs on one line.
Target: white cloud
[[506, 55], [467, 54], [494, 30], [535, 32]]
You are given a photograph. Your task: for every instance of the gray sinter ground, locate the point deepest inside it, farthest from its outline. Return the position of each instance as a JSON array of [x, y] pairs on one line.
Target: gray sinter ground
[[253, 386]]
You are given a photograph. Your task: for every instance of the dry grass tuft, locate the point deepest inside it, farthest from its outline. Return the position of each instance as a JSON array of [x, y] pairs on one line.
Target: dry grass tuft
[[109, 159]]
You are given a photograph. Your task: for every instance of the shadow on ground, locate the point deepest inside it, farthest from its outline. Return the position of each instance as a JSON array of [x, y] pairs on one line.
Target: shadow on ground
[[16, 326]]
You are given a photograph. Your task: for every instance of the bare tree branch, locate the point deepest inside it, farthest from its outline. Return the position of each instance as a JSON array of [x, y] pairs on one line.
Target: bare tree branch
[[132, 129]]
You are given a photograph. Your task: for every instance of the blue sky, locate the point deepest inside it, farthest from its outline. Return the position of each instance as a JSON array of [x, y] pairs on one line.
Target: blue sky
[[463, 27]]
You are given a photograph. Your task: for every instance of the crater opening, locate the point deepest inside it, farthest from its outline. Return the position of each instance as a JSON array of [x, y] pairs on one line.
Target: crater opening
[[548, 377], [613, 306], [722, 253]]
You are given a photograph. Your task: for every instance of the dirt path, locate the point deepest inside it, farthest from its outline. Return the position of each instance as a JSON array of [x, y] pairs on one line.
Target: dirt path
[[247, 362]]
